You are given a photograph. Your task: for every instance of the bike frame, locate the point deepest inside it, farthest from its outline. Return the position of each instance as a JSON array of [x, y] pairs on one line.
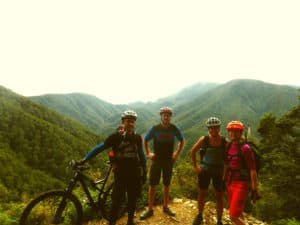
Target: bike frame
[[102, 187], [83, 179]]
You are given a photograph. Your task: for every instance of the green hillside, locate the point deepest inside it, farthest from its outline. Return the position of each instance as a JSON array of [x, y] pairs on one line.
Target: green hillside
[[35, 145], [87, 109], [246, 100]]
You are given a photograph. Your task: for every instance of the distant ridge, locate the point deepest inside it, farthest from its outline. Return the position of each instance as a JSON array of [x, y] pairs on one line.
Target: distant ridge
[[242, 99]]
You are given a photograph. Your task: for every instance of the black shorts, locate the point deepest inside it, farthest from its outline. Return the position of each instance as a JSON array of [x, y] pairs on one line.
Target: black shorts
[[204, 178], [160, 167]]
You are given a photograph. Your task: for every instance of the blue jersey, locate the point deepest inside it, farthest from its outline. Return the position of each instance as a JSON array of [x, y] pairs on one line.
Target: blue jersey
[[163, 140]]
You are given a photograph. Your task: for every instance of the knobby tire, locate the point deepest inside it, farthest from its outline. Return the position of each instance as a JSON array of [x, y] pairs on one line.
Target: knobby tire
[[42, 209]]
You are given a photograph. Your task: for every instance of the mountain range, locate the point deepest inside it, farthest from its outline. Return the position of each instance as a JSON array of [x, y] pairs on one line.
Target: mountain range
[[39, 135], [245, 100]]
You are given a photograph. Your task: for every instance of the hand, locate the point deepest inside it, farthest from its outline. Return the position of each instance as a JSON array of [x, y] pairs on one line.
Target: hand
[[80, 162], [151, 155], [255, 196], [174, 157], [197, 169]]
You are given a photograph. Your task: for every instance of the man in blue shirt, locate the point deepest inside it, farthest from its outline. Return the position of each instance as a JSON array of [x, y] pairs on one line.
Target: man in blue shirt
[[163, 157]]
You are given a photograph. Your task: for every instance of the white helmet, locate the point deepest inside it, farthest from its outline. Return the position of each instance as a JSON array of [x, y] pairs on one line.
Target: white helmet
[[165, 109], [129, 114], [213, 122]]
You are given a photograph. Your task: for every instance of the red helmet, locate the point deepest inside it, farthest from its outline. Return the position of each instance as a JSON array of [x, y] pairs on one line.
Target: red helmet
[[165, 109], [235, 125]]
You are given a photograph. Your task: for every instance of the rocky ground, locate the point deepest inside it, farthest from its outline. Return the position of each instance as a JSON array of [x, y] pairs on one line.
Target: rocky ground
[[185, 210]]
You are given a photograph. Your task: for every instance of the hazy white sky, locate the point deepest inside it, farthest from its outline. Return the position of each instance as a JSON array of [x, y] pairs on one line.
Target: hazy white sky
[[124, 51]]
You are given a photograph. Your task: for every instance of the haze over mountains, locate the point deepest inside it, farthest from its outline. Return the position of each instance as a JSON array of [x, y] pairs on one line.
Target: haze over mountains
[[245, 100]]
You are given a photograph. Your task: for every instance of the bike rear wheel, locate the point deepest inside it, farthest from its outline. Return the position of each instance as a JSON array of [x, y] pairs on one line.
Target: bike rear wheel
[[53, 207], [106, 204]]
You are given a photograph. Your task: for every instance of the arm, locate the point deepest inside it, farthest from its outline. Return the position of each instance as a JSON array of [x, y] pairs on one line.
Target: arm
[[194, 149], [180, 144], [142, 154], [254, 193], [179, 148], [253, 176], [94, 151], [147, 149], [225, 168], [250, 163], [147, 138]]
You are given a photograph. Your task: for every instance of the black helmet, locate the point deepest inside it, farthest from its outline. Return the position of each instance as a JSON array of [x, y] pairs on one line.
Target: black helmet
[[213, 121], [129, 114]]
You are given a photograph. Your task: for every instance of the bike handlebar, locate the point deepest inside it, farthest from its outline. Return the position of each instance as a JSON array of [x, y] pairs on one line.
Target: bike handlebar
[[78, 165]]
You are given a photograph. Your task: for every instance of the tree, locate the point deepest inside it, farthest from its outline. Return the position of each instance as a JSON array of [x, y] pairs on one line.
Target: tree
[[281, 171]]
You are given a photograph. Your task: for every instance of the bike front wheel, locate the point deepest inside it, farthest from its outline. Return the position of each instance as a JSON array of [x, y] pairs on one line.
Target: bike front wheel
[[53, 207]]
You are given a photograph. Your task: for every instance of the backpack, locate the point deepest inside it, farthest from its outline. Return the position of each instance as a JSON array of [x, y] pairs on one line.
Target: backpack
[[245, 173]]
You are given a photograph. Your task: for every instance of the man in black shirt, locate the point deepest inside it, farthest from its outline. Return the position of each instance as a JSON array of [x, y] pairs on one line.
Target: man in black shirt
[[129, 165]]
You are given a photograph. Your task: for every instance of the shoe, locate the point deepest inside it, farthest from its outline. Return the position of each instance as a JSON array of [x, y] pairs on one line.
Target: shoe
[[168, 211], [112, 222], [219, 222], [130, 222], [198, 219], [147, 213]]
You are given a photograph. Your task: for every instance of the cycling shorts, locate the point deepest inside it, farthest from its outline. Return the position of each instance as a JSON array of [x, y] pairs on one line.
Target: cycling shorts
[[237, 194], [158, 168], [204, 178]]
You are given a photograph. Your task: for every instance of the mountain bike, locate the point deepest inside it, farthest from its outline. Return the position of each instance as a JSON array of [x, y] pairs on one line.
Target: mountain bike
[[63, 207]]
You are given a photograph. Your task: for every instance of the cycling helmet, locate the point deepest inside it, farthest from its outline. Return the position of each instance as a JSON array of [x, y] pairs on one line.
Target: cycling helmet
[[129, 114], [213, 122], [235, 125], [165, 109]]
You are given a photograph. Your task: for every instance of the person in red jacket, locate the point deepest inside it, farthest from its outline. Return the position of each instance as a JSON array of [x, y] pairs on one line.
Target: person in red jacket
[[239, 173]]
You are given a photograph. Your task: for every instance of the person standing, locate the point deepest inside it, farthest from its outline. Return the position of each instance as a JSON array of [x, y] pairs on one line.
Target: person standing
[[212, 154], [129, 165], [239, 173], [163, 158]]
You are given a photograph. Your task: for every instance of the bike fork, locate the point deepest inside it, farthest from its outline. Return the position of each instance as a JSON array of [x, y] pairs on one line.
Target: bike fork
[[58, 218]]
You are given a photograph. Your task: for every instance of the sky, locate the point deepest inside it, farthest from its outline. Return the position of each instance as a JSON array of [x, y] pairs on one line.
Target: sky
[[127, 51]]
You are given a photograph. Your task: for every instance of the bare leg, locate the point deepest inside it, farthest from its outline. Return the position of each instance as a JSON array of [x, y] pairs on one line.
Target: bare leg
[[151, 197], [220, 204], [201, 199], [166, 195]]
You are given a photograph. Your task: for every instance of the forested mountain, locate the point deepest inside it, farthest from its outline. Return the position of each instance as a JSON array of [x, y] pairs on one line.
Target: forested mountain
[[87, 109], [35, 145], [245, 100]]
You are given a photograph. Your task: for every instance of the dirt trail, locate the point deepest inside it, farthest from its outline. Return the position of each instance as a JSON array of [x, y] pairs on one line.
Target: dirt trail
[[185, 210]]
